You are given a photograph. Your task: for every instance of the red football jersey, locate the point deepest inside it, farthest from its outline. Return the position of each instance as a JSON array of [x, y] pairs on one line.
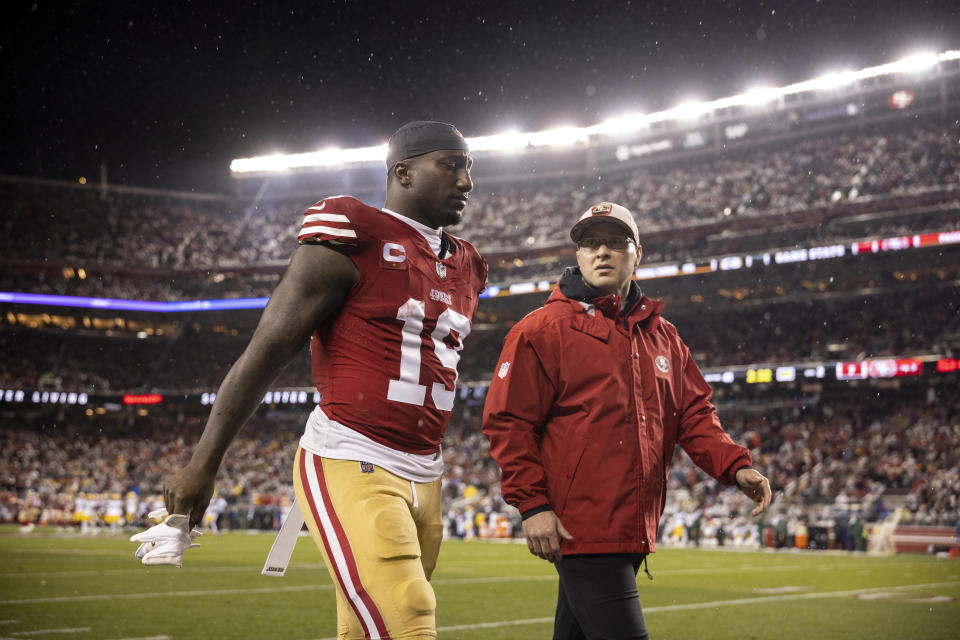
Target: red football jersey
[[386, 363]]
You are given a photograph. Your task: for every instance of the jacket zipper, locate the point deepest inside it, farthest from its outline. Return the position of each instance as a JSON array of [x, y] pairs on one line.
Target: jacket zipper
[[638, 400]]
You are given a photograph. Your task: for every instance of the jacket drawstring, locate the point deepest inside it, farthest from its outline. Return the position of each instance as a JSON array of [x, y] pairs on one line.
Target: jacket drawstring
[[649, 575]]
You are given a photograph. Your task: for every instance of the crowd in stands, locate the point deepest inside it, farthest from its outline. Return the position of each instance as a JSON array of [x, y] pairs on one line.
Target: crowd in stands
[[830, 459], [846, 328], [195, 358], [758, 182], [842, 459], [166, 248]]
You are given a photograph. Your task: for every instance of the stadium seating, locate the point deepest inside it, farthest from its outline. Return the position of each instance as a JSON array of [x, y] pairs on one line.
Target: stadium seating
[[837, 453]]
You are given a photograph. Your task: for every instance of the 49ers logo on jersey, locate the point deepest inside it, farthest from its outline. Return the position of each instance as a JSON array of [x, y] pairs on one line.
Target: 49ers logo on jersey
[[393, 256]]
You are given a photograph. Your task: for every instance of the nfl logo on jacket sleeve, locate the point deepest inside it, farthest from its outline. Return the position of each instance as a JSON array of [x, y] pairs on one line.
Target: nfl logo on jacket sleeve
[[503, 370]]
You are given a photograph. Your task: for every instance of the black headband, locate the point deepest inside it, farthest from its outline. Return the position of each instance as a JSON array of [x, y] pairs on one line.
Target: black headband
[[420, 137]]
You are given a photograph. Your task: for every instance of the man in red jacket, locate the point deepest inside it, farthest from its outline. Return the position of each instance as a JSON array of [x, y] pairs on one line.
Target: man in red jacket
[[590, 396]]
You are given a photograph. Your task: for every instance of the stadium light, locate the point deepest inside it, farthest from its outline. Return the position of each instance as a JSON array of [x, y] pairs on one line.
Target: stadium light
[[918, 62], [510, 140], [620, 125], [561, 136], [566, 136], [834, 80], [326, 158], [685, 111], [759, 95]]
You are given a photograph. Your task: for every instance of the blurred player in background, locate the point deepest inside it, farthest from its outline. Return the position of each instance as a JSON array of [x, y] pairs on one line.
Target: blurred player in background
[[590, 395], [131, 507], [216, 507], [113, 512], [386, 298]]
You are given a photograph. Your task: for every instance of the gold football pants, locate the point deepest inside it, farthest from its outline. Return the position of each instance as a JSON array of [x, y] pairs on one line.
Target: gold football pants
[[379, 535]]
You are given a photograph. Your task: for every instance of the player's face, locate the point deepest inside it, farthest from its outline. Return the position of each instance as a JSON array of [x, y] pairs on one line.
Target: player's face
[[608, 267], [441, 182]]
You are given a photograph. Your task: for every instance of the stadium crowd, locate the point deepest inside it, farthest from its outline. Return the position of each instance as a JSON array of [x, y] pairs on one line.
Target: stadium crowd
[[845, 459], [168, 248], [760, 182], [195, 359], [828, 458]]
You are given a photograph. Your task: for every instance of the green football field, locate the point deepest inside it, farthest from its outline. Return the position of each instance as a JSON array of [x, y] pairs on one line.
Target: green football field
[[71, 586]]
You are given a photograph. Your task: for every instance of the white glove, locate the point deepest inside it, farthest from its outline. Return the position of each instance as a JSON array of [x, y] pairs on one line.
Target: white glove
[[165, 543]]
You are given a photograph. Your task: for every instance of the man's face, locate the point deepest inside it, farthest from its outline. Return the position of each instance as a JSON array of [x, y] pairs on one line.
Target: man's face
[[604, 267], [441, 183]]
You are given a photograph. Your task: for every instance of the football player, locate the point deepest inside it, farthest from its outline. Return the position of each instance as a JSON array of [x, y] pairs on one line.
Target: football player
[[385, 296]]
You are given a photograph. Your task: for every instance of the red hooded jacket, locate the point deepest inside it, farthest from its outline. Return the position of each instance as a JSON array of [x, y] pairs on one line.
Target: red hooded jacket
[[584, 410]]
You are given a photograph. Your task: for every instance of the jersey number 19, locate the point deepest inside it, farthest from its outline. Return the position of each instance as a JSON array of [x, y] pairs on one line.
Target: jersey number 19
[[407, 388]]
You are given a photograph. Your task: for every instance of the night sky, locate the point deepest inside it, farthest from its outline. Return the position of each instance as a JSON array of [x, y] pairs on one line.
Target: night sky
[[167, 94]]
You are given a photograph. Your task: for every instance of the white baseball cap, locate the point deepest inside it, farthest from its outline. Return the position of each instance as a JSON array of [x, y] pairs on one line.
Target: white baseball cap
[[605, 212]]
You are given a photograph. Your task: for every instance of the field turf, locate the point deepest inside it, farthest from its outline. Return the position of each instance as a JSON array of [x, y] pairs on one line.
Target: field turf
[[70, 586]]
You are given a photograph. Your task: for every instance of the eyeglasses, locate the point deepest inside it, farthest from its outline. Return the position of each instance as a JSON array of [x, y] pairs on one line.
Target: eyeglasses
[[614, 243]]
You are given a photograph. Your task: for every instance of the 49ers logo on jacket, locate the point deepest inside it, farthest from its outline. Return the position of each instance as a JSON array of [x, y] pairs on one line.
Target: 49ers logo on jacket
[[662, 363]]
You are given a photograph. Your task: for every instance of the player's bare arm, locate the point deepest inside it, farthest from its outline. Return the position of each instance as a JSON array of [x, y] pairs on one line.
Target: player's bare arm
[[314, 286]]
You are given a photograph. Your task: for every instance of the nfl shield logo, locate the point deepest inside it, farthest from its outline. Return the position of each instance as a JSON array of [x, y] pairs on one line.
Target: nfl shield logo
[[441, 270], [503, 370], [366, 467]]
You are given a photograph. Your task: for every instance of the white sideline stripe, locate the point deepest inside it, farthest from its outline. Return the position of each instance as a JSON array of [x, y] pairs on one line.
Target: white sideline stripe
[[319, 565], [217, 592], [9, 622], [702, 605], [167, 594], [43, 632], [325, 587], [148, 638], [492, 625], [799, 596], [117, 572]]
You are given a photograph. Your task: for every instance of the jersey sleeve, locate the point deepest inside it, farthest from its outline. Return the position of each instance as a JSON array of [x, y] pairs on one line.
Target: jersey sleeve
[[481, 273], [332, 220], [478, 266]]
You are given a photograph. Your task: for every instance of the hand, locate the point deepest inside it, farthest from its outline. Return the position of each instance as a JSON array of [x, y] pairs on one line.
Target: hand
[[188, 492], [543, 532], [166, 542], [755, 486]]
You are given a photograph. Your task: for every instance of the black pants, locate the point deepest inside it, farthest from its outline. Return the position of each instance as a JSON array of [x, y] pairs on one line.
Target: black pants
[[598, 598]]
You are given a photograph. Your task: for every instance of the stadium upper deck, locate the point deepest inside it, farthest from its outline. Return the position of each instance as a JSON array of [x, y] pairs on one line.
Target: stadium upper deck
[[854, 186]]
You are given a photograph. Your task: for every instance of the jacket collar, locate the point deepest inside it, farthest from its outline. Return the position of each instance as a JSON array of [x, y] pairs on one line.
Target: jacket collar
[[638, 307]]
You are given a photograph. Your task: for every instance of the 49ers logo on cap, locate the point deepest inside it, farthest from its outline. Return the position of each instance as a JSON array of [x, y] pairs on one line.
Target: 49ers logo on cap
[[602, 209]]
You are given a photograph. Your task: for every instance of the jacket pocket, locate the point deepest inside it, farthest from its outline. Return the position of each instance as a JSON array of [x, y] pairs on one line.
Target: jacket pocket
[[663, 495], [571, 462]]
